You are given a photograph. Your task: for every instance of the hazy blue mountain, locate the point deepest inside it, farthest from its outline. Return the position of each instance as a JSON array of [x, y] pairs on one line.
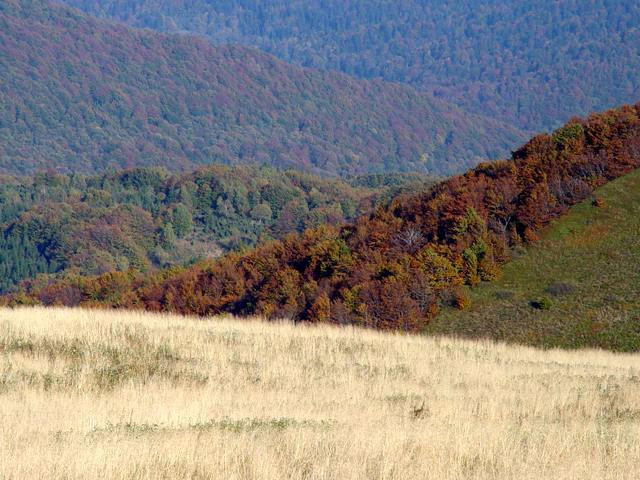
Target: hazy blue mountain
[[79, 94], [531, 62]]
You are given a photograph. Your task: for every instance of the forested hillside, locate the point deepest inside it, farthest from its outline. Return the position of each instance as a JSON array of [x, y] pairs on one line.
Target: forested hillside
[[148, 218], [82, 95], [534, 63], [394, 267]]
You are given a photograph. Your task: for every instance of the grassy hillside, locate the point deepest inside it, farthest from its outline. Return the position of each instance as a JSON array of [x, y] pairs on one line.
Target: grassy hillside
[[79, 94], [531, 62], [95, 395], [587, 267]]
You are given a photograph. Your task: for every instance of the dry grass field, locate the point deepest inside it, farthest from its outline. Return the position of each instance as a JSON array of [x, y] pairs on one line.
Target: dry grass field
[[116, 395]]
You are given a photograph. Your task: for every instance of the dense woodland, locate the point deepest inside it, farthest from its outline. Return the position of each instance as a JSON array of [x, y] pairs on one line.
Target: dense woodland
[[531, 62], [148, 218], [79, 94], [392, 268]]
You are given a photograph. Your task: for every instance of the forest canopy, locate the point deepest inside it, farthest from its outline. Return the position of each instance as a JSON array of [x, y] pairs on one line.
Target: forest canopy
[[149, 218], [78, 94]]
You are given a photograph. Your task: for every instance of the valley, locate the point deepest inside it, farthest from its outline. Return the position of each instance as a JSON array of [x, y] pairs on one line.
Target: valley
[[55, 225], [398, 266]]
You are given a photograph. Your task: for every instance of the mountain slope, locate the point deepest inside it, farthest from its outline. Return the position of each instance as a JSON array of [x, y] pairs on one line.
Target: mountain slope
[[82, 95], [587, 267], [395, 267], [533, 63]]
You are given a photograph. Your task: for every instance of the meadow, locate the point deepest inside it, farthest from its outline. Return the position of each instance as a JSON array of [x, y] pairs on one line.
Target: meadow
[[94, 394], [585, 267]]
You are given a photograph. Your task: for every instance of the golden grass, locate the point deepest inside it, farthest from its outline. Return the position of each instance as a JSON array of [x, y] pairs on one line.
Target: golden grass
[[93, 395]]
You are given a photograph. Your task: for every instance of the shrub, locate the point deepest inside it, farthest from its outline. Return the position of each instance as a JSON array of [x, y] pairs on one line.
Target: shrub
[[489, 270], [530, 236], [542, 303], [461, 299]]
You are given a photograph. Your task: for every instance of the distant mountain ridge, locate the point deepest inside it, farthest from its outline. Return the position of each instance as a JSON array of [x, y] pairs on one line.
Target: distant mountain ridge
[[534, 63], [78, 94]]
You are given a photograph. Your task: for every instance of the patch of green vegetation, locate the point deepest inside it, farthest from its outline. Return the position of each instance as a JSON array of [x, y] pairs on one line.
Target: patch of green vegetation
[[587, 265], [73, 350], [567, 133], [542, 303], [128, 355], [226, 424]]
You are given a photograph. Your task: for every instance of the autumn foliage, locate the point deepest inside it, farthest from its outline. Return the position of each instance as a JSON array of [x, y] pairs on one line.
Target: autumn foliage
[[393, 268]]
